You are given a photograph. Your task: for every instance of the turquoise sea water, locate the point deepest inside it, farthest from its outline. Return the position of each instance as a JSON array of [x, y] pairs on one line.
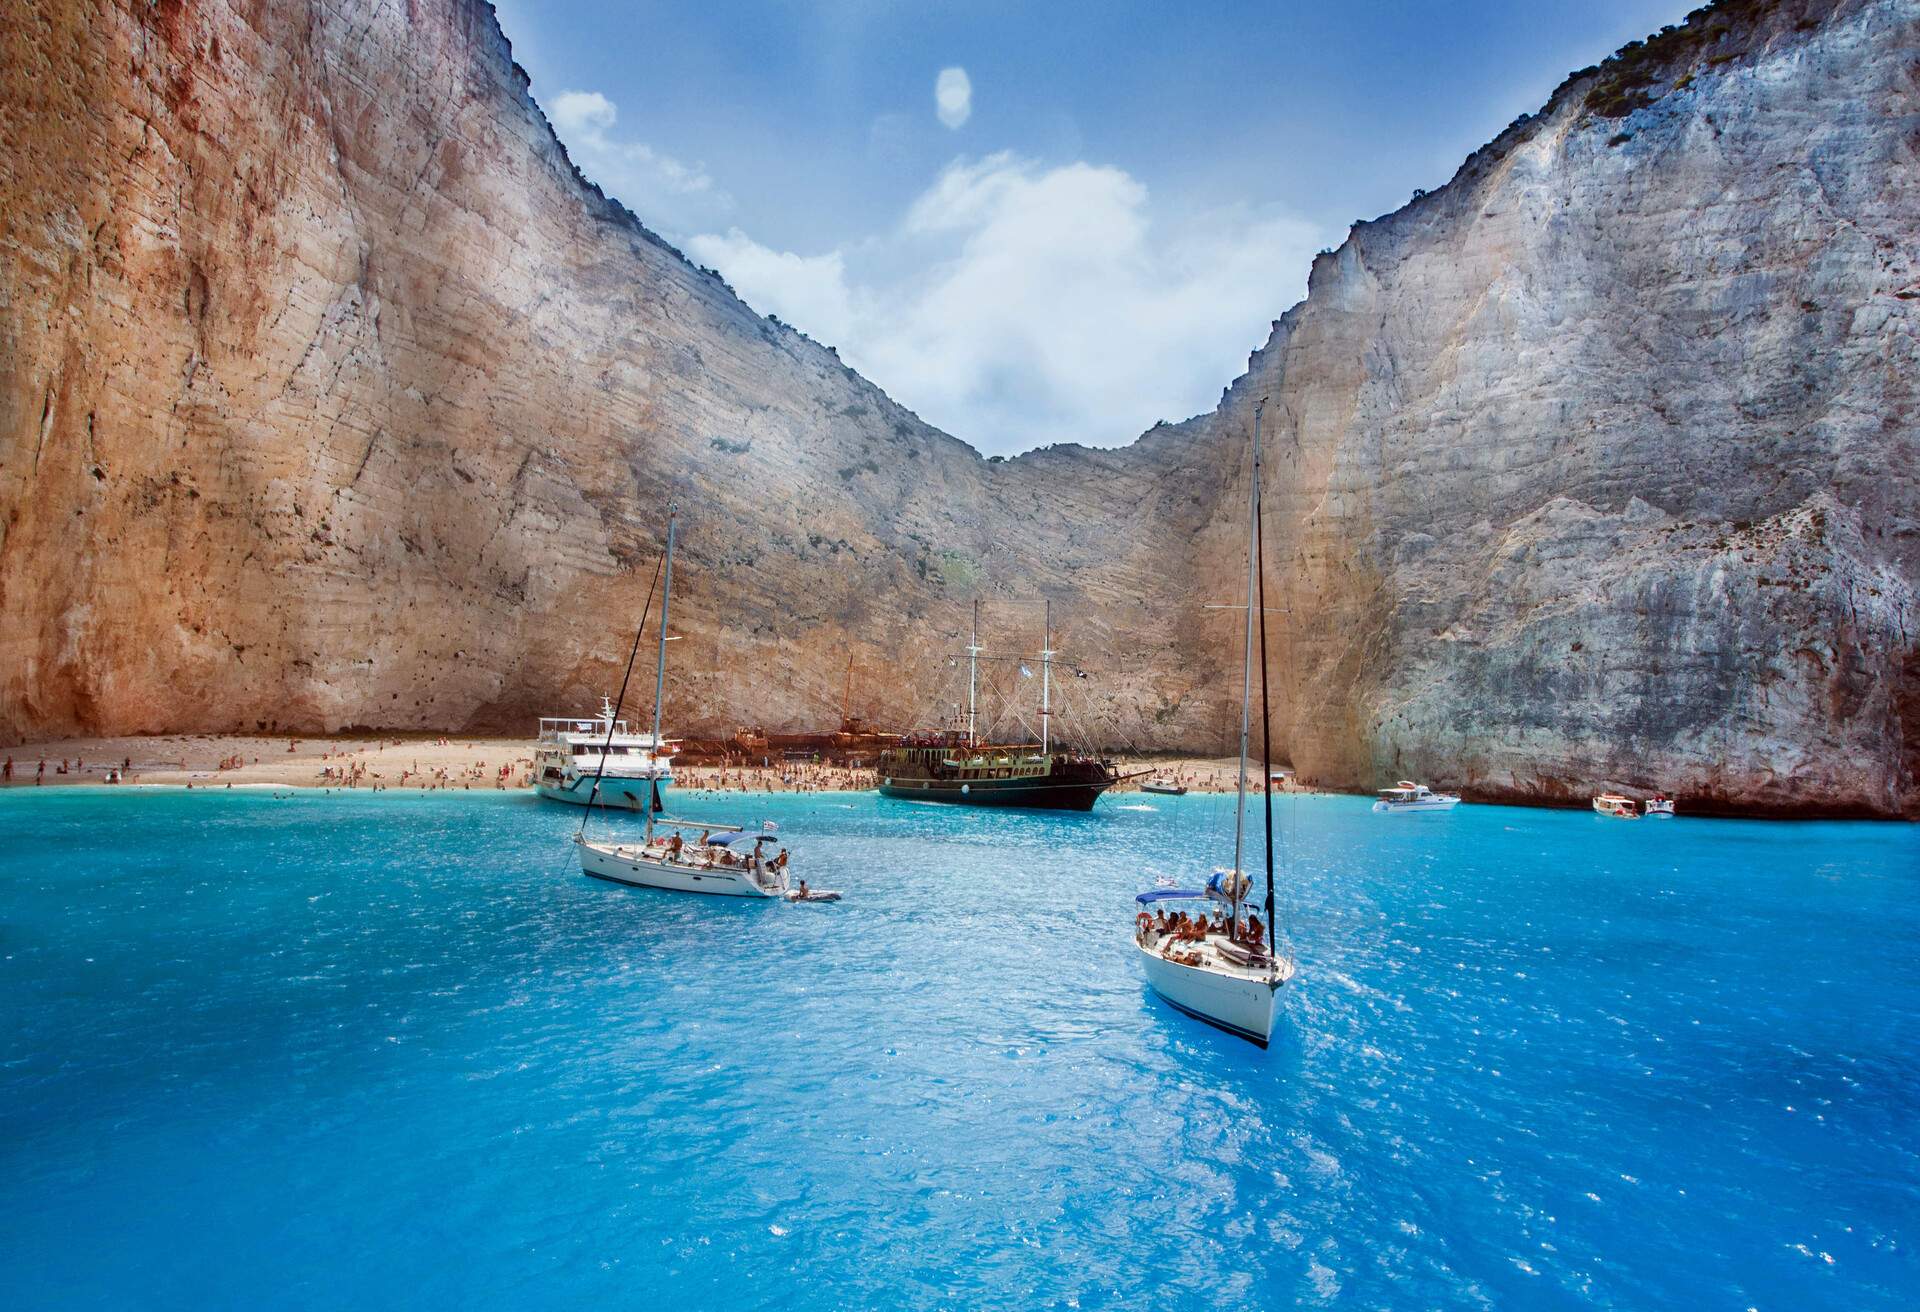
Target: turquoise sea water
[[384, 1051]]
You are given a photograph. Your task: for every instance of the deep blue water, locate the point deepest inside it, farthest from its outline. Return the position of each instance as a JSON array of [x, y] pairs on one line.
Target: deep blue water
[[385, 1051]]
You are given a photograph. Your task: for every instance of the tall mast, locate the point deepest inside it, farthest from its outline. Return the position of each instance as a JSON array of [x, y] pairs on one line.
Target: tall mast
[[1266, 712], [973, 669], [1246, 671], [1046, 683], [660, 668]]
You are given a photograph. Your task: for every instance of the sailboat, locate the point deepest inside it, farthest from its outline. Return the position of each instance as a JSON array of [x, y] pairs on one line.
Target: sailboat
[[954, 765], [725, 859], [1206, 958]]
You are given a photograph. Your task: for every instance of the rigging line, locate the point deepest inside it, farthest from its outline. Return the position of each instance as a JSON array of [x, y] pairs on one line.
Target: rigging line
[[593, 796], [1126, 742], [1080, 728], [1266, 712]]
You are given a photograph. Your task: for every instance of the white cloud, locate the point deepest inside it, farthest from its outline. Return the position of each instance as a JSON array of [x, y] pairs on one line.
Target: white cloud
[[807, 291], [1016, 305], [953, 96], [576, 113], [667, 194]]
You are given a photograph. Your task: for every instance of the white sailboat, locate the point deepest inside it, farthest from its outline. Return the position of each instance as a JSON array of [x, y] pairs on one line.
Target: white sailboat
[[1207, 958], [725, 860]]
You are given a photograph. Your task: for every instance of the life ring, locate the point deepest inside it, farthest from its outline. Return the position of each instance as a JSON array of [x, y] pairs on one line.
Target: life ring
[[1143, 921]]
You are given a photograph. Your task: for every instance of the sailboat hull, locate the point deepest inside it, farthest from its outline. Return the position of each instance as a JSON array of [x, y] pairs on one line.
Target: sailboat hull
[[1240, 1004], [621, 864]]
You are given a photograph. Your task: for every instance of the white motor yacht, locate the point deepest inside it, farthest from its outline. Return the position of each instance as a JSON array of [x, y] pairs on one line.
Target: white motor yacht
[[1613, 804], [1408, 796], [633, 770], [1658, 804]]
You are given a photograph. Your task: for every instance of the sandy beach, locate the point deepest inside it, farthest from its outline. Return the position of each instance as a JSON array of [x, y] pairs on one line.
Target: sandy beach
[[427, 763]]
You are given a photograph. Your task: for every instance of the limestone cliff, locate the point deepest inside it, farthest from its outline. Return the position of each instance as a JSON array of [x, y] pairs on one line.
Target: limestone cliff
[[1598, 464], [329, 394], [332, 396]]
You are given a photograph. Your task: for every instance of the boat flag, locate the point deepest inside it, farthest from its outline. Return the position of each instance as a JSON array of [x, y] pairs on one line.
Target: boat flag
[[1025, 673]]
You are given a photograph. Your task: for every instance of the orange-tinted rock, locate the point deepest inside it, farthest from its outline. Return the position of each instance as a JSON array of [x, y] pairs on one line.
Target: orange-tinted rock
[[330, 395]]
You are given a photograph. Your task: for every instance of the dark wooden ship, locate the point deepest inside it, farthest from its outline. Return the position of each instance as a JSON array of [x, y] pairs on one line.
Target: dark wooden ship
[[946, 767], [954, 765]]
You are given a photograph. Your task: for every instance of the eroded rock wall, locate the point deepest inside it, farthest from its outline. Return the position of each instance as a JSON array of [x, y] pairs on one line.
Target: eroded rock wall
[[330, 395], [1598, 465]]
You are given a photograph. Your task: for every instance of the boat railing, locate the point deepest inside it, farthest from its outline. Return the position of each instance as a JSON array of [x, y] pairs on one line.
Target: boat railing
[[556, 727]]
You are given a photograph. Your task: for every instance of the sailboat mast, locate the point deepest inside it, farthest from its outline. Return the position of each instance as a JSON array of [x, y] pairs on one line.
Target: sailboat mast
[[973, 671], [1246, 671], [1266, 713], [1046, 684], [660, 666]]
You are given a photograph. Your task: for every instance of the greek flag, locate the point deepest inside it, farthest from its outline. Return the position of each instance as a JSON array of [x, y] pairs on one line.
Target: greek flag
[[1025, 673]]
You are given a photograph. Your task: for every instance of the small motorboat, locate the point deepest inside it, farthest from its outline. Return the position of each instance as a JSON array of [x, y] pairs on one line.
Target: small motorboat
[[1165, 785], [1409, 796], [1658, 804], [1613, 804], [804, 894]]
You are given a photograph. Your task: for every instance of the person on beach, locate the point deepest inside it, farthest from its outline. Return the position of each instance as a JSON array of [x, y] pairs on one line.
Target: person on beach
[[40, 776], [6, 775]]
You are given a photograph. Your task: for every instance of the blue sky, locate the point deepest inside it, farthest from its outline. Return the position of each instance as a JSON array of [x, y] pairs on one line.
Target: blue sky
[[1093, 225]]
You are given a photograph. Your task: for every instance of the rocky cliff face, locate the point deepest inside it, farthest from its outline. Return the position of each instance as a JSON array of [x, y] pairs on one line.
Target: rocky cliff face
[[1599, 463], [330, 395]]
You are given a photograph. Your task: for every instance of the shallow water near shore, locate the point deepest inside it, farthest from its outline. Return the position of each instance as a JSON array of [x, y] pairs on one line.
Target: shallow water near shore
[[323, 1050]]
